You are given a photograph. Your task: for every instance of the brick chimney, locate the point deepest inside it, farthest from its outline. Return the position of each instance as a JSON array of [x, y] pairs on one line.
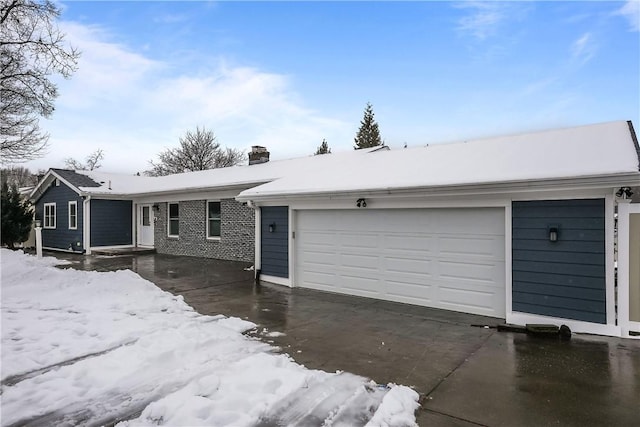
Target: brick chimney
[[258, 155]]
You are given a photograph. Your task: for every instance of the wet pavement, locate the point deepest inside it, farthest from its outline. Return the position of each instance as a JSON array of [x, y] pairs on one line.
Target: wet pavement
[[468, 375]]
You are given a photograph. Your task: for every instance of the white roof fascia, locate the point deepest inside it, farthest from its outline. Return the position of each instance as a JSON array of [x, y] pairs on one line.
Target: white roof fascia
[[580, 183], [196, 190], [186, 190]]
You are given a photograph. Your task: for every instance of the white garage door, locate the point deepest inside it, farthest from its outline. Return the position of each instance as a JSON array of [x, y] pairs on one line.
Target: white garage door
[[444, 258]]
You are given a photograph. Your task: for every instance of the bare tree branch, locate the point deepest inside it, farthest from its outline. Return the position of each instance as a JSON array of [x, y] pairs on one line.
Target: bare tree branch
[[32, 48], [198, 150], [92, 161], [18, 175]]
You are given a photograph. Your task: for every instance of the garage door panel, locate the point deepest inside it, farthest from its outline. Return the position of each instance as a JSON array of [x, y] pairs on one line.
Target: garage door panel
[[459, 300], [465, 270], [409, 242], [408, 265], [415, 291], [317, 260], [316, 238], [364, 241], [444, 258], [472, 245], [358, 261], [321, 276], [470, 221], [370, 285]]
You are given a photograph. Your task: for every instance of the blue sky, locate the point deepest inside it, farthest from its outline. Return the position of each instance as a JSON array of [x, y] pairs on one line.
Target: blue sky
[[288, 74]]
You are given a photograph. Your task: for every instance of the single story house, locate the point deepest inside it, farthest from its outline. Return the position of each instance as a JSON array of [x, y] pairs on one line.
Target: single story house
[[192, 213], [520, 227]]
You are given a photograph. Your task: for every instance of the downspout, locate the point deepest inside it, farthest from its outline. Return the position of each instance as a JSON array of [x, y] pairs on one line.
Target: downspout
[[86, 224]]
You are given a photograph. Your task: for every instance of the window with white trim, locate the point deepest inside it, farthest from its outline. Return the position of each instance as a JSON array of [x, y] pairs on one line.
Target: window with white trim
[[73, 215], [213, 220], [49, 215], [173, 223]]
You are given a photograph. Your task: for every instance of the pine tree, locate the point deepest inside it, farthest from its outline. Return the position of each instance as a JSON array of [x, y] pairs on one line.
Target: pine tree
[[368, 135], [323, 148], [16, 216]]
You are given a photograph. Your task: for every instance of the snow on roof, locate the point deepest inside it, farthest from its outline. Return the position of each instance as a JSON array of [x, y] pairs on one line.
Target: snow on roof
[[234, 176], [588, 151]]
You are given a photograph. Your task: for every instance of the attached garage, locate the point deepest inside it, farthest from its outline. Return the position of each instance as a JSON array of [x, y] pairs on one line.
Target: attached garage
[[495, 227], [452, 259]]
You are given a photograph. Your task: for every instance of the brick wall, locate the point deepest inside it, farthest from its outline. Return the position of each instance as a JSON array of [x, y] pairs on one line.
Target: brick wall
[[237, 234]]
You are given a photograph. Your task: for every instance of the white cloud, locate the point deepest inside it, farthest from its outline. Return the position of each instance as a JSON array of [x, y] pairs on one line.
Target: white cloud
[[170, 18], [489, 19], [631, 11], [482, 20], [133, 106], [584, 48], [104, 68]]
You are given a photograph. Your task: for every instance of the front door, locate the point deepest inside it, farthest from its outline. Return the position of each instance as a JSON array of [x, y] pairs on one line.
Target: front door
[[145, 225]]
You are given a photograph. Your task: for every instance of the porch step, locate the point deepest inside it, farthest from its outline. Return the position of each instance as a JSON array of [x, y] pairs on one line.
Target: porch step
[[123, 251]]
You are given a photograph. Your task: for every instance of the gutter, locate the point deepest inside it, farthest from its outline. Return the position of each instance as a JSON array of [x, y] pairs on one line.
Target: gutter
[[623, 179], [128, 196], [635, 141]]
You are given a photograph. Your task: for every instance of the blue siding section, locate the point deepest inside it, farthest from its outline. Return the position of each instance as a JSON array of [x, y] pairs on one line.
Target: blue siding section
[[111, 222], [565, 278], [275, 245], [61, 237]]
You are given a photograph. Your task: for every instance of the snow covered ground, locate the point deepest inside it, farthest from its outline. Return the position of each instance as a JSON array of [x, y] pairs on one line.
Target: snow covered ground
[[93, 348]]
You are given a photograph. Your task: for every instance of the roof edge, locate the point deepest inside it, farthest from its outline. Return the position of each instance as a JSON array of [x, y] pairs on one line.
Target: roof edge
[[161, 193], [634, 137], [611, 180]]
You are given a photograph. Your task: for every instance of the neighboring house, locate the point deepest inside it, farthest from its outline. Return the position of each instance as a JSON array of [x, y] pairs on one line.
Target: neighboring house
[[517, 227]]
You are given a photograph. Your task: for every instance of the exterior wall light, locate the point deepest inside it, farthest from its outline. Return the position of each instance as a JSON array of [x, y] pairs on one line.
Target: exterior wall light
[[624, 192], [272, 227], [554, 232], [156, 207]]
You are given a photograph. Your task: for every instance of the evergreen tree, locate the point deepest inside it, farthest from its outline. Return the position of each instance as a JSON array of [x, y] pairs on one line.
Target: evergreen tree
[[323, 148], [16, 216], [368, 135]]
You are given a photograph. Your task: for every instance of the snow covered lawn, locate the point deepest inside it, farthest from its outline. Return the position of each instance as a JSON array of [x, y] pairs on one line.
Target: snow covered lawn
[[89, 348]]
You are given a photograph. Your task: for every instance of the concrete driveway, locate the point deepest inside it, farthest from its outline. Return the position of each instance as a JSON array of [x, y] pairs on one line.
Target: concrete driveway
[[468, 375]]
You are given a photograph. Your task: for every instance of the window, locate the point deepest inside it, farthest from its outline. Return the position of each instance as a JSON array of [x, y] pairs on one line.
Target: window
[[146, 218], [213, 220], [49, 215], [174, 219], [73, 215]]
